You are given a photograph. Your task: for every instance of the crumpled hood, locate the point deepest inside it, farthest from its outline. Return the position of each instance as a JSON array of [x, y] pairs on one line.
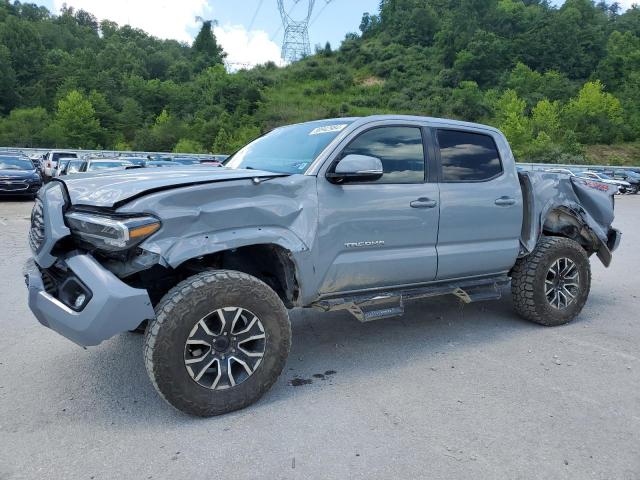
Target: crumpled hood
[[114, 188]]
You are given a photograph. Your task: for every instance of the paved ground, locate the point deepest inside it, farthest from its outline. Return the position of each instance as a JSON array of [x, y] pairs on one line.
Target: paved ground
[[445, 392]]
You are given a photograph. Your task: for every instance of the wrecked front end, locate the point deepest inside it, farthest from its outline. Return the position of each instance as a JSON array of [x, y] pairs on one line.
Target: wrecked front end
[[573, 207], [69, 290], [99, 270]]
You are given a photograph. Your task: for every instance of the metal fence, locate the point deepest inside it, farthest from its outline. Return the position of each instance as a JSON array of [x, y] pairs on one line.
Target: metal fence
[[573, 167], [119, 153], [101, 153]]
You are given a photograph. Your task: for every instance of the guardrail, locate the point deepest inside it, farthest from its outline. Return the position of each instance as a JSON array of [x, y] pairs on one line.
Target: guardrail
[[573, 167], [117, 153], [100, 153]]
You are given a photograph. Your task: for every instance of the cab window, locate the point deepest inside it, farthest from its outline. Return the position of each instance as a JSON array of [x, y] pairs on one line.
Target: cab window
[[400, 149]]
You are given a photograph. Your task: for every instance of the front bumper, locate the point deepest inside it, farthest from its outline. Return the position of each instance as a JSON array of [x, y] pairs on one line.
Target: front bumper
[[112, 307]]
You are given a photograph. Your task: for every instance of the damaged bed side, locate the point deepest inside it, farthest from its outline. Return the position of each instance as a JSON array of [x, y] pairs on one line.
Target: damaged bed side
[[580, 209]]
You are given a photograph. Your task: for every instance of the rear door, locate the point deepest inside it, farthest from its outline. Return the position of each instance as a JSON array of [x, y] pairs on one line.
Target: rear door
[[380, 233], [481, 204]]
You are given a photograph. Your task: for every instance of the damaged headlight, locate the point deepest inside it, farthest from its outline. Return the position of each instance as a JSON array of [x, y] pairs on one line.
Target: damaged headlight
[[111, 233]]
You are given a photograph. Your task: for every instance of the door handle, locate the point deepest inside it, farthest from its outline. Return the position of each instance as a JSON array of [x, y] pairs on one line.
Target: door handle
[[505, 201], [423, 202]]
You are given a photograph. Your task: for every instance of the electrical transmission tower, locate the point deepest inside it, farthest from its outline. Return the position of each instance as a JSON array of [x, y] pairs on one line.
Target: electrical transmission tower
[[296, 32]]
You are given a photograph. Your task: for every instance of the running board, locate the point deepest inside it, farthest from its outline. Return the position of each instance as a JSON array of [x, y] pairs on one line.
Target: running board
[[375, 306]]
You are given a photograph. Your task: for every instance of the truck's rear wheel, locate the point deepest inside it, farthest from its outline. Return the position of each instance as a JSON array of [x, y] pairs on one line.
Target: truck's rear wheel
[[551, 285], [220, 340]]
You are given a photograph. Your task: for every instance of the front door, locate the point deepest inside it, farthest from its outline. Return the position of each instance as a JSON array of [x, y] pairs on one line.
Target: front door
[[380, 233]]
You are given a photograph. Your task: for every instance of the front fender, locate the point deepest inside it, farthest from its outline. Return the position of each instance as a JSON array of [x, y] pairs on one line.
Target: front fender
[[205, 219], [176, 251]]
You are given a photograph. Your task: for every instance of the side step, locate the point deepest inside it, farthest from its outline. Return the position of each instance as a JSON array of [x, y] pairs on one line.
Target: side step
[[375, 306]]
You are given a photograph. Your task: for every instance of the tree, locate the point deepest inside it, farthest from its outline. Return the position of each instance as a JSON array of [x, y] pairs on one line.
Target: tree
[[222, 142], [164, 133], [545, 118], [8, 84], [511, 119], [206, 49], [468, 102], [76, 119], [24, 127], [595, 116], [186, 145]]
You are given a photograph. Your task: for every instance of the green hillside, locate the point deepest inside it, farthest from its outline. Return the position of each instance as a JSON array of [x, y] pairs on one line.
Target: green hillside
[[556, 80]]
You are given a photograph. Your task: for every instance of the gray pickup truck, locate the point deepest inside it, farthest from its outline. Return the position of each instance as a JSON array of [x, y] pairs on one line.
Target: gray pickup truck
[[359, 214]]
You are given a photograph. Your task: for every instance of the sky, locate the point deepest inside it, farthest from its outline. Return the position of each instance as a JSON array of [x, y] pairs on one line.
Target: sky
[[250, 31]]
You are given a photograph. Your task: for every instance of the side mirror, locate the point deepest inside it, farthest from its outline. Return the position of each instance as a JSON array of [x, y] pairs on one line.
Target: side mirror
[[356, 168]]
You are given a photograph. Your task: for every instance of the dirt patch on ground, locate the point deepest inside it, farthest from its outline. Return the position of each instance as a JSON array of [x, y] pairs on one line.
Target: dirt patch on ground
[[372, 82]]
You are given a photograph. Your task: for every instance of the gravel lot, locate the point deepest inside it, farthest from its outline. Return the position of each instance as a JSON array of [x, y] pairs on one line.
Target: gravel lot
[[443, 392]]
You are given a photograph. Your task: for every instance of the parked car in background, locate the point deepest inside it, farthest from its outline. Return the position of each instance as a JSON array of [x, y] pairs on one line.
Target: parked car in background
[[72, 166], [137, 161], [160, 164], [98, 164], [211, 163], [37, 161], [50, 162], [62, 164], [623, 187], [186, 160], [628, 176], [19, 176], [564, 171], [159, 158], [214, 161]]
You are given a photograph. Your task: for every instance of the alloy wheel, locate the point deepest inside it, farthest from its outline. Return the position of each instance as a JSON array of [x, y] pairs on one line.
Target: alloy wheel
[[224, 348], [562, 283]]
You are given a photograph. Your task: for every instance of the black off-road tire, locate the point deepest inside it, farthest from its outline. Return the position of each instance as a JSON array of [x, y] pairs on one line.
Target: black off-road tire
[[528, 281], [182, 308]]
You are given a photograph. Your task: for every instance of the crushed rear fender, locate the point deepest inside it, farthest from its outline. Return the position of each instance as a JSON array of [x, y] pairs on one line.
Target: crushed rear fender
[[571, 206]]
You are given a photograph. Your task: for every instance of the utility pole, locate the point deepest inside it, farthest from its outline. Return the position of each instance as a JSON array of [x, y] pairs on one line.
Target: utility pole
[[296, 43]]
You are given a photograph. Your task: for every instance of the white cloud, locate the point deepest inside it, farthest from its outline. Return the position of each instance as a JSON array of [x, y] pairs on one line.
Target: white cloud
[[625, 4], [246, 48], [161, 18]]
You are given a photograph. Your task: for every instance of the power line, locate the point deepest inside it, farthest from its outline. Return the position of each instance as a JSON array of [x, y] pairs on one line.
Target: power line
[[326, 4], [255, 15]]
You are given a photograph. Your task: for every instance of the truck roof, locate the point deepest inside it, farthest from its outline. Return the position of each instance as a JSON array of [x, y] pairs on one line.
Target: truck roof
[[435, 121]]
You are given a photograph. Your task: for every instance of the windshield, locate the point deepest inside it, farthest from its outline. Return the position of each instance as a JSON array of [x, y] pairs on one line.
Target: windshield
[[288, 149], [15, 163], [73, 167], [104, 165], [604, 177], [58, 156]]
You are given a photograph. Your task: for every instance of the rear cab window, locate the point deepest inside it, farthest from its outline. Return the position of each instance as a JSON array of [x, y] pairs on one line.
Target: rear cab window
[[57, 156], [468, 156]]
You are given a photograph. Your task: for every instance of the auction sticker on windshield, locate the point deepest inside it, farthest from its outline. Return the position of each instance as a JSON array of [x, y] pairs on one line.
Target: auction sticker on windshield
[[329, 129]]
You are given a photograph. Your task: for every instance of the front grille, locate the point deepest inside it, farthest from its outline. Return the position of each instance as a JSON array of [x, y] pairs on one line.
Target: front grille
[[13, 186], [49, 282], [36, 233]]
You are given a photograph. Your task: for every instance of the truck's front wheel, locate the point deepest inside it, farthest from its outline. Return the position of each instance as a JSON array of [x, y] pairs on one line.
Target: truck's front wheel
[[220, 340], [551, 285]]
